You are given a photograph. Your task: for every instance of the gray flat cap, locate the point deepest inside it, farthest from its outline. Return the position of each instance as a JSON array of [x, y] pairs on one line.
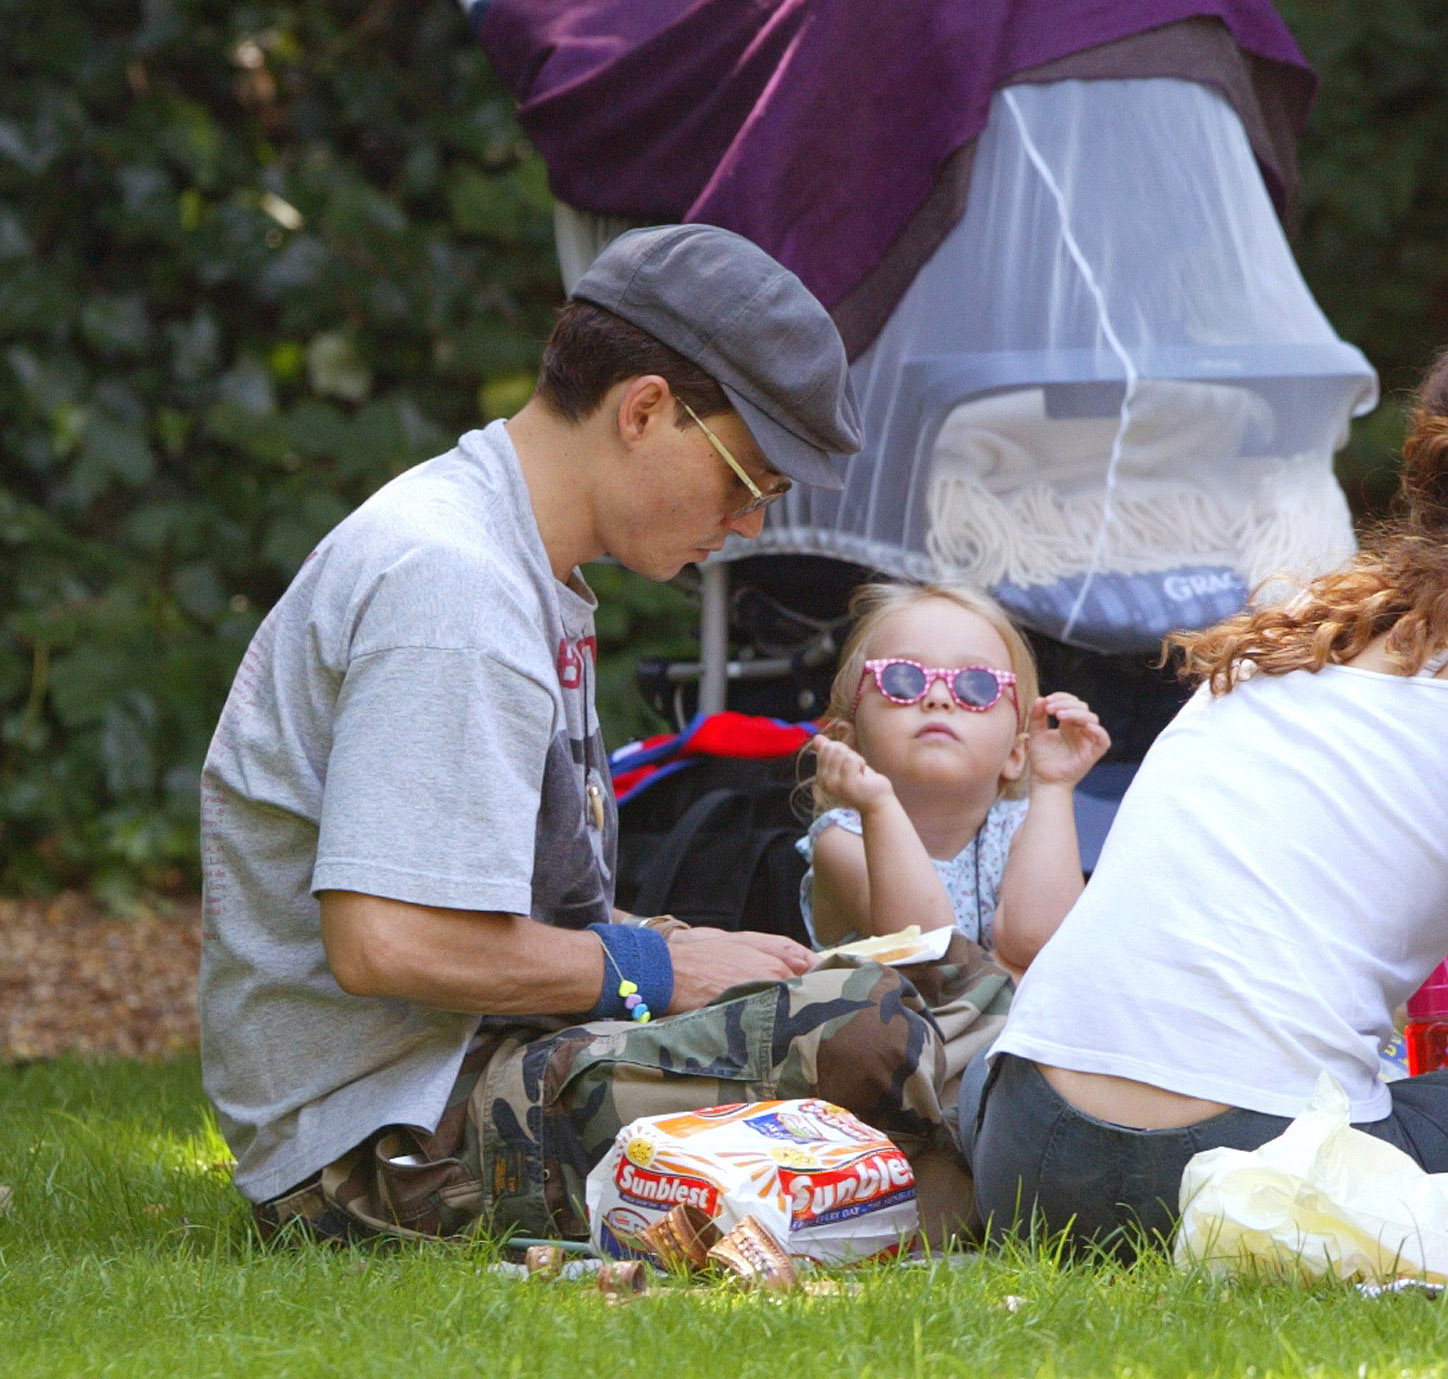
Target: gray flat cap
[[748, 322]]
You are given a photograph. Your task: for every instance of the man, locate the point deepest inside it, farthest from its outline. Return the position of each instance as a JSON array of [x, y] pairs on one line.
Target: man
[[419, 1008]]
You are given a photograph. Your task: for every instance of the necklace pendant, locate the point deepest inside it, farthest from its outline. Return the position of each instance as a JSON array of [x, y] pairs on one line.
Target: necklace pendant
[[595, 804]]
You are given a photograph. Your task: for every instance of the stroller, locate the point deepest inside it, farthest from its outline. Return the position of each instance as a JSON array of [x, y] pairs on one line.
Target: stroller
[[1107, 396]]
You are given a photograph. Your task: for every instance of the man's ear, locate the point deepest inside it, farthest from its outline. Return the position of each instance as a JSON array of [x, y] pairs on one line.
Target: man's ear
[[644, 402]]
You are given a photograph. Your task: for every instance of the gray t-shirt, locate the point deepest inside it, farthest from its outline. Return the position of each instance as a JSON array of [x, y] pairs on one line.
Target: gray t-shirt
[[413, 720]]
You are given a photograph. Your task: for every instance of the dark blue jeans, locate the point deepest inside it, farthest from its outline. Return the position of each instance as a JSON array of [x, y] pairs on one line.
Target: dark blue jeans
[[1039, 1162]]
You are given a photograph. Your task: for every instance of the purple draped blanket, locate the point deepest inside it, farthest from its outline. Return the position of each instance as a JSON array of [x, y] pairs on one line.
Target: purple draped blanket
[[815, 127]]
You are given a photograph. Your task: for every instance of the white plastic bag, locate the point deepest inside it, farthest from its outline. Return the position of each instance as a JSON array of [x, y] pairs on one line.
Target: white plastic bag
[[1322, 1198]]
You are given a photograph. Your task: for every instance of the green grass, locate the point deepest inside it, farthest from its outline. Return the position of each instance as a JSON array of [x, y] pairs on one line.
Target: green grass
[[125, 1252]]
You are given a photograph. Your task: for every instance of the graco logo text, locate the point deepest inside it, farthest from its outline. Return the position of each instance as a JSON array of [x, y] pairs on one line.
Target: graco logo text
[[1184, 587]]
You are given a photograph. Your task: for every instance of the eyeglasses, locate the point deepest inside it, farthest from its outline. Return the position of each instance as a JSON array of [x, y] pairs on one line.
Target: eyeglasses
[[976, 688], [759, 499]]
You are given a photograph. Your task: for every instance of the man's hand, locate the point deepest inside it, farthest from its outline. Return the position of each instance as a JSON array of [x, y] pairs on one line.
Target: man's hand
[[708, 961]]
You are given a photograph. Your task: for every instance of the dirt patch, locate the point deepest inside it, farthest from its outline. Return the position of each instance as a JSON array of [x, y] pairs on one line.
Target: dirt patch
[[75, 979]]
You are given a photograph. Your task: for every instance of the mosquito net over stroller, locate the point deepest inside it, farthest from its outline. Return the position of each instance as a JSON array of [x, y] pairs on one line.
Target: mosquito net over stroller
[[1109, 395]]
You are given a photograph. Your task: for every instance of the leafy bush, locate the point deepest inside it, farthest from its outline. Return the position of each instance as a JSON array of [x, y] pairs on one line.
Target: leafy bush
[[256, 259], [1374, 206]]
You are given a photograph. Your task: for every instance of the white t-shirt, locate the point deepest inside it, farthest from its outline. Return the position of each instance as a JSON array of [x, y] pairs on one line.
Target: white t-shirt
[[1274, 886]]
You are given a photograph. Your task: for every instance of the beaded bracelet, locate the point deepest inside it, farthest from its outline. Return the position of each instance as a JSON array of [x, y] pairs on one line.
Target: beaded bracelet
[[635, 1004]]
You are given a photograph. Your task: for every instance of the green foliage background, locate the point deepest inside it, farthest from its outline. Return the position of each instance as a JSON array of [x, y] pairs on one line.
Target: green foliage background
[[1372, 238], [255, 259]]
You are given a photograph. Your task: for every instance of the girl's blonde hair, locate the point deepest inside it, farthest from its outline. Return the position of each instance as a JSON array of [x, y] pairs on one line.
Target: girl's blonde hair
[[1396, 585], [870, 605]]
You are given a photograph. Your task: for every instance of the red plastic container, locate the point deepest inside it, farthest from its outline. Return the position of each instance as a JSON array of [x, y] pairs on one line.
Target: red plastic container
[[1425, 1036]]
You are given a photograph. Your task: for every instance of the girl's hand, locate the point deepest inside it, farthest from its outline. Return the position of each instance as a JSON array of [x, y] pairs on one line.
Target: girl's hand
[[844, 773], [1063, 754]]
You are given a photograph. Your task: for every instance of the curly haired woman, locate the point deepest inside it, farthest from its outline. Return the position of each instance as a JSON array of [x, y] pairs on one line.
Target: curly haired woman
[[1273, 888]]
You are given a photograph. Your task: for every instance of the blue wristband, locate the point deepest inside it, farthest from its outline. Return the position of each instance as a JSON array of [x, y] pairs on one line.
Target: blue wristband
[[638, 973]]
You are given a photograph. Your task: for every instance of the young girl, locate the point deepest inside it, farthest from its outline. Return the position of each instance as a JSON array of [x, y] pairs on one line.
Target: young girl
[[934, 732]]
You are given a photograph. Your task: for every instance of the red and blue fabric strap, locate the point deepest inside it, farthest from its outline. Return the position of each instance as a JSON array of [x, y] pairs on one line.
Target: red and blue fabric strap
[[726, 734]]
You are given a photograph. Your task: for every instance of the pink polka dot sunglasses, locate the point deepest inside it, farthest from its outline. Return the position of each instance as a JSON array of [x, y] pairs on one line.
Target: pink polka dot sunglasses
[[901, 681]]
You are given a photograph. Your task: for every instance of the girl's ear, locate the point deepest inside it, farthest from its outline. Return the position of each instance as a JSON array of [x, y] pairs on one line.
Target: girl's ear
[[1016, 758]]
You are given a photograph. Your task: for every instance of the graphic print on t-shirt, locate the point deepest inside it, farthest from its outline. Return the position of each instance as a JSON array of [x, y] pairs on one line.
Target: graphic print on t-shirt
[[572, 883]]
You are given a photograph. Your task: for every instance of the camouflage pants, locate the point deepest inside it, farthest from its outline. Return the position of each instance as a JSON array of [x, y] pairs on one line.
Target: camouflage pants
[[536, 1106]]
